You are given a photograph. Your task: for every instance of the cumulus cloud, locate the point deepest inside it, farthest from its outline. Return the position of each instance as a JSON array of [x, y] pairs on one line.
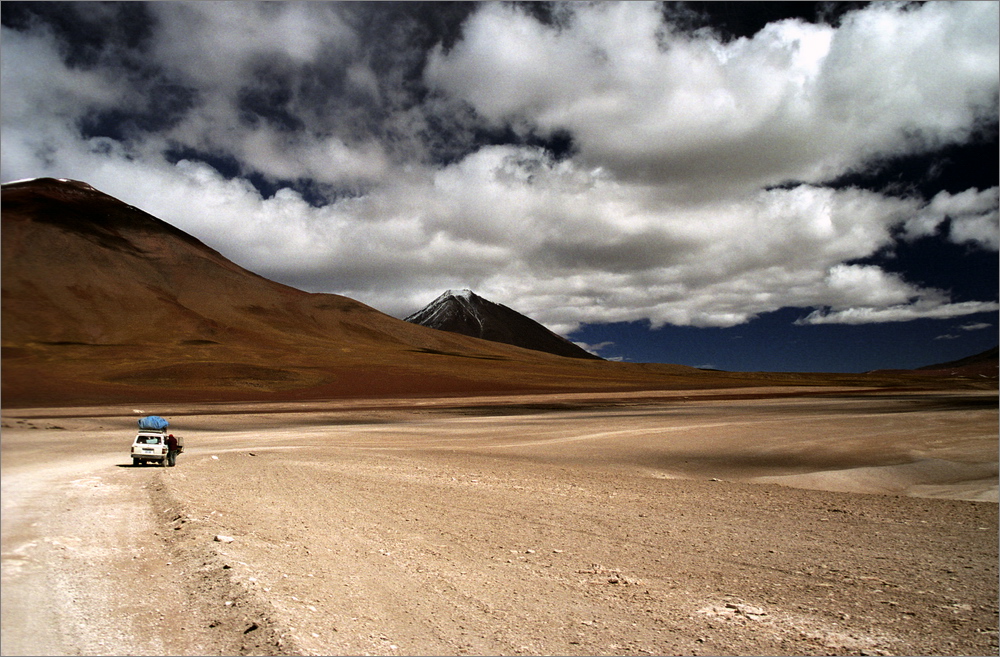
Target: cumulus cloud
[[796, 101], [341, 149], [973, 217]]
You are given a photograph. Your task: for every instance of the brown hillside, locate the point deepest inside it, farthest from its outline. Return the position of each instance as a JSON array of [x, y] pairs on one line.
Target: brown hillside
[[101, 299], [103, 302], [982, 364]]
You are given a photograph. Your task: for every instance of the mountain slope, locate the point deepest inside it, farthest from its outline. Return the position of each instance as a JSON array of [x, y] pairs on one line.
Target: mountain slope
[[467, 313], [102, 301], [80, 267]]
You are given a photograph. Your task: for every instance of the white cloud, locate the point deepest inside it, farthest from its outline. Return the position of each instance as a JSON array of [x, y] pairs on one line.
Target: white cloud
[[594, 348], [31, 65], [971, 326], [796, 101], [927, 310], [974, 217], [663, 213], [213, 43]]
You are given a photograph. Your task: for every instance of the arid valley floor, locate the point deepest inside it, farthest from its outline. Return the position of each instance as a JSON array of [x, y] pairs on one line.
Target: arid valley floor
[[756, 521]]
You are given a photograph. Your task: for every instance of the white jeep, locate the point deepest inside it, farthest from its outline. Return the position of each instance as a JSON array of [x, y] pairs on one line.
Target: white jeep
[[149, 445]]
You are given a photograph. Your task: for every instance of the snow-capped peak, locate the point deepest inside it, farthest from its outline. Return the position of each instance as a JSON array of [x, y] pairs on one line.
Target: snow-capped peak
[[45, 178], [443, 309], [466, 313]]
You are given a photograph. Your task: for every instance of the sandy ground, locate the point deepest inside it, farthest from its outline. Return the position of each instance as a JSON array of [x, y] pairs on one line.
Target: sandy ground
[[764, 522]]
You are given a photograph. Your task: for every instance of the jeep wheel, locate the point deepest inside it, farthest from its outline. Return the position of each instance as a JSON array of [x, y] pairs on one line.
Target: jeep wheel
[[135, 462]]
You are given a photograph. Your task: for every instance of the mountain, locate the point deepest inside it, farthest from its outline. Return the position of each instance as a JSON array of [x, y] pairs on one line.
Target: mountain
[[103, 302], [467, 313]]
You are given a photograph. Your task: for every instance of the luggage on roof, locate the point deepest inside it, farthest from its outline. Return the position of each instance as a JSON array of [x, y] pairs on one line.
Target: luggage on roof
[[154, 422]]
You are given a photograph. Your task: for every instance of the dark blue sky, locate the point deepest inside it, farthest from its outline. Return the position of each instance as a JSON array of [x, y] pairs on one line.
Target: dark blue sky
[[774, 343], [772, 186]]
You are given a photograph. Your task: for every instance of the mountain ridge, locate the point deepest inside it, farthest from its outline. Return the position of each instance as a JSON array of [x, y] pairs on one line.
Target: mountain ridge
[[103, 303]]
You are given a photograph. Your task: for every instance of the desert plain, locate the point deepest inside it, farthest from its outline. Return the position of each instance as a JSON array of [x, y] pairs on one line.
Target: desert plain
[[754, 521]]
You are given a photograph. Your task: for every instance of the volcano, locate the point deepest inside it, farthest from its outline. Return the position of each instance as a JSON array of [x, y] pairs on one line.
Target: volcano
[[466, 313]]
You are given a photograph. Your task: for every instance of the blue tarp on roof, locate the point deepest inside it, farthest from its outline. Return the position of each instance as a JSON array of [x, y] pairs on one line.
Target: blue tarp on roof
[[153, 422]]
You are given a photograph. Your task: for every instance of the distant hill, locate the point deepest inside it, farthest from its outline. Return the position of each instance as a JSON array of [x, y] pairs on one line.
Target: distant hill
[[467, 313], [984, 366], [986, 363]]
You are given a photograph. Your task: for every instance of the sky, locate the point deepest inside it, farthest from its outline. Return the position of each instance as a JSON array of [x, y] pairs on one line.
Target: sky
[[735, 185]]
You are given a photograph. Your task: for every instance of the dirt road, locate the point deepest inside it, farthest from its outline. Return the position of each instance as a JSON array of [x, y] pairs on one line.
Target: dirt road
[[577, 524]]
